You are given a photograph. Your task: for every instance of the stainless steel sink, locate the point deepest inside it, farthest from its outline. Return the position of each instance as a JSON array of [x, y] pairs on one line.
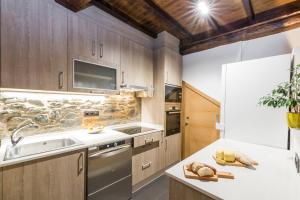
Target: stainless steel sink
[[22, 150]]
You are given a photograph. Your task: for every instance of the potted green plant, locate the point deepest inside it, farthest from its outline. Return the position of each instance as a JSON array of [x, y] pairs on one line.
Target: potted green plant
[[287, 95]]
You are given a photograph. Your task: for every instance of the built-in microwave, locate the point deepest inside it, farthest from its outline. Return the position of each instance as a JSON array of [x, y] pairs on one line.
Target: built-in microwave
[[173, 94], [91, 76]]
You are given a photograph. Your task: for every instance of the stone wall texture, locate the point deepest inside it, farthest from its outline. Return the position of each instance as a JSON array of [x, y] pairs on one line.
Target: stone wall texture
[[65, 114]]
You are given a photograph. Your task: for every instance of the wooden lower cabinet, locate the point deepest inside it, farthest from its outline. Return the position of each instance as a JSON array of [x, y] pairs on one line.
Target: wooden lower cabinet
[[56, 178], [179, 191], [173, 149], [147, 158]]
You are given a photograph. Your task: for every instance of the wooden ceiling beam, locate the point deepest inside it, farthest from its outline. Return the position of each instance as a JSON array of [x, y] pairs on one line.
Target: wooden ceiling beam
[[249, 9], [103, 5], [260, 18], [75, 5], [214, 23], [166, 17], [277, 25]]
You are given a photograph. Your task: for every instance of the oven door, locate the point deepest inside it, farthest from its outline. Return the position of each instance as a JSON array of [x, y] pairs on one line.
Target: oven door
[[172, 122]]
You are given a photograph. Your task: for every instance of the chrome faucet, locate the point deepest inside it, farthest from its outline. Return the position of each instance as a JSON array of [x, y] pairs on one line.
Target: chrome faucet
[[18, 129]]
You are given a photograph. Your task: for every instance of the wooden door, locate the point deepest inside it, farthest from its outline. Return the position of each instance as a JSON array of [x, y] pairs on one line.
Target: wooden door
[[199, 118], [33, 45], [136, 64], [59, 178], [109, 47], [173, 149], [173, 67]]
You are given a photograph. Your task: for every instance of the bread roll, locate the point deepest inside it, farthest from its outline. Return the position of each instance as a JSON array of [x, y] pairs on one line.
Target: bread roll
[[195, 166], [214, 169], [205, 171]]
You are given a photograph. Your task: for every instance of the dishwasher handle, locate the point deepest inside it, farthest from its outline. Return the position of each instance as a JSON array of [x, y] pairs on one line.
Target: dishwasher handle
[[109, 153]]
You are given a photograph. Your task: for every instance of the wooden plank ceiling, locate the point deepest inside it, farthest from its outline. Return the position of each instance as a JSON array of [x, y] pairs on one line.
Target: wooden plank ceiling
[[229, 20]]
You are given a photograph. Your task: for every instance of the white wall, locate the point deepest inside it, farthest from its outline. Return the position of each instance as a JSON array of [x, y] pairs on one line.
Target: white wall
[[203, 69]]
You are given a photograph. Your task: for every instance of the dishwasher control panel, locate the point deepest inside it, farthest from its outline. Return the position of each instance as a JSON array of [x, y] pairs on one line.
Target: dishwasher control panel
[[110, 145]]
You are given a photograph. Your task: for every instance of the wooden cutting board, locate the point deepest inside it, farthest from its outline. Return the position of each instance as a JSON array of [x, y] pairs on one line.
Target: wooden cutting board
[[192, 175]]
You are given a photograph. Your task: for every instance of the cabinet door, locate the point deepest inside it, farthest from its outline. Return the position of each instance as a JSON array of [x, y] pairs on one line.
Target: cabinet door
[[136, 64], [173, 67], [33, 45], [109, 47], [82, 37], [173, 149], [60, 178], [145, 164]]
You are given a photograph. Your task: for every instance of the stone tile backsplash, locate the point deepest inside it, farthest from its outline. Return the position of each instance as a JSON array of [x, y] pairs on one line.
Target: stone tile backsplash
[[64, 112]]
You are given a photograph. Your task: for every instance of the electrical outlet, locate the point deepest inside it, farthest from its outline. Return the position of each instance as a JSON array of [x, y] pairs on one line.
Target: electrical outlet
[[90, 113]]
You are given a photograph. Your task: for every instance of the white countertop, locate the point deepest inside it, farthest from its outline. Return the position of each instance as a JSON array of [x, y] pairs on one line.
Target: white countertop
[[86, 141], [275, 177]]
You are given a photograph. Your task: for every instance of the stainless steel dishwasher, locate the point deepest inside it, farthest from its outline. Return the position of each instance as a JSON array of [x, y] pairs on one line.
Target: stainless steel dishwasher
[[109, 171]]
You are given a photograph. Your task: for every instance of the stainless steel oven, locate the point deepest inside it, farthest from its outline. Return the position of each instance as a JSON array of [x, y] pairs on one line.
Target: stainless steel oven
[[173, 113], [110, 171], [173, 94]]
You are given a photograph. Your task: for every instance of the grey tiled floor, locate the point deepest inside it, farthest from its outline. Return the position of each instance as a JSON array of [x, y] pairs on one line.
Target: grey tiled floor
[[157, 190]]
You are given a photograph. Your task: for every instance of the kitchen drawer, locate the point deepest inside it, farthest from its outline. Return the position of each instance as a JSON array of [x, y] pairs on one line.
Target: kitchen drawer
[[147, 139], [145, 164]]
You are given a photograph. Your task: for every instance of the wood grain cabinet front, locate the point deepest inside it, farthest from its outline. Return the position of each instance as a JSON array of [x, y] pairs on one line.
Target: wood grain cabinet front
[[173, 67], [136, 65], [147, 159], [33, 45], [172, 149], [59, 178]]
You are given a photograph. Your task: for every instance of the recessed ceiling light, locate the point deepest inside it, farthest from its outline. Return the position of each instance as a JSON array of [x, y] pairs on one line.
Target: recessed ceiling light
[[203, 8]]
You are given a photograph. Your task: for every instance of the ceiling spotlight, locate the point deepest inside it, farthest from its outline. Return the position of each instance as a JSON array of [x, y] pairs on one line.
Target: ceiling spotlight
[[203, 8]]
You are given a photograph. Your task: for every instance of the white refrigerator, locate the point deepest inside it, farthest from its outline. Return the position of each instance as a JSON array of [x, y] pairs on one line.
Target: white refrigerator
[[243, 84]]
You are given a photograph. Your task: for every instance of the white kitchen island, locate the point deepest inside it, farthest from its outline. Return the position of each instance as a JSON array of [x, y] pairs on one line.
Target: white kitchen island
[[275, 177]]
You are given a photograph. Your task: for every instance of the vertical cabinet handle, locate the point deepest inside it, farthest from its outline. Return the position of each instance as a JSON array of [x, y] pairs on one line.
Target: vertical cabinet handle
[[80, 164], [60, 80], [101, 50], [166, 146], [146, 165], [123, 80], [93, 48], [167, 79]]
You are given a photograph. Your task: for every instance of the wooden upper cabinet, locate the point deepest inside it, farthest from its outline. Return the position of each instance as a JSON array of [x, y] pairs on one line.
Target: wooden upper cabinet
[[59, 178], [82, 37], [136, 64], [109, 47], [33, 45], [173, 67]]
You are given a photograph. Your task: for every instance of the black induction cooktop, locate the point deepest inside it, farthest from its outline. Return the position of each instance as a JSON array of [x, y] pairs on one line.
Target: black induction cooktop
[[134, 130]]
